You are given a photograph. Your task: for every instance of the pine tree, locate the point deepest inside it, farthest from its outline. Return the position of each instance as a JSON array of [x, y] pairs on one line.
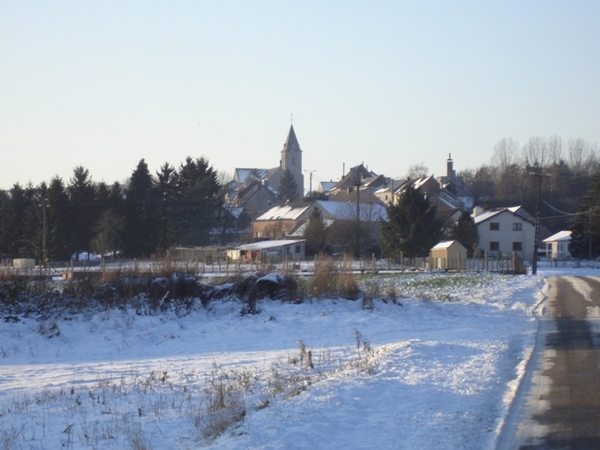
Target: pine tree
[[140, 234], [315, 233], [197, 202], [465, 232], [288, 188], [83, 212], [167, 187], [58, 233], [18, 223], [413, 227]]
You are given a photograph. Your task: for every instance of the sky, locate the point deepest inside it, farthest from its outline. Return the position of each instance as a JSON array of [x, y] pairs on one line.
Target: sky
[[390, 84]]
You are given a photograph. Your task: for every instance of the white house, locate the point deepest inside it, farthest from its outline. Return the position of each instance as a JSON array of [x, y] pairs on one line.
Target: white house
[[557, 245], [505, 230]]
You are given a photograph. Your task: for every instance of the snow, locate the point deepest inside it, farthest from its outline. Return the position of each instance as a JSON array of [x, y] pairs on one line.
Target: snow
[[438, 368]]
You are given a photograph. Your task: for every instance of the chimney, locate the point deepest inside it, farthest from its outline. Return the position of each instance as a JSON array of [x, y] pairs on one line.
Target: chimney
[[477, 211], [449, 167]]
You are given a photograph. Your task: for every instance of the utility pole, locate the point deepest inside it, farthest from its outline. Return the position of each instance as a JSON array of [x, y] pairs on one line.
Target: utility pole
[[357, 184], [44, 232], [589, 199], [537, 173]]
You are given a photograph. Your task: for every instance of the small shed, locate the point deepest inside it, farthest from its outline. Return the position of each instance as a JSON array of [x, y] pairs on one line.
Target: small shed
[[274, 251], [24, 263], [557, 245], [449, 255]]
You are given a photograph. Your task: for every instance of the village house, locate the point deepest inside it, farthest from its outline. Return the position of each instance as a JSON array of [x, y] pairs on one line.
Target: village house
[[286, 220], [503, 231], [557, 245]]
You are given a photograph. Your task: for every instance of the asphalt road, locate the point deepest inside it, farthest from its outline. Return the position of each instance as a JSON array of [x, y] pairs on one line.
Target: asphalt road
[[559, 407]]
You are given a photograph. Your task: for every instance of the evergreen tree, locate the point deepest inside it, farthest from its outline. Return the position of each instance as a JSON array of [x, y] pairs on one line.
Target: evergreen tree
[[167, 187], [108, 232], [315, 233], [465, 232], [413, 227], [83, 211], [18, 222], [140, 235], [580, 233], [288, 188], [586, 225], [197, 202], [58, 233]]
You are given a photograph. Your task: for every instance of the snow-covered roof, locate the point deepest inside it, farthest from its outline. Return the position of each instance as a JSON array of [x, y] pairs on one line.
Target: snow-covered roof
[[515, 210], [288, 212], [344, 210], [241, 174], [560, 236], [485, 216], [444, 245], [264, 245], [326, 186]]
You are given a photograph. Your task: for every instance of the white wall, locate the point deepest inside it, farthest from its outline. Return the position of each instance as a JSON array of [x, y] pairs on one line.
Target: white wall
[[506, 235]]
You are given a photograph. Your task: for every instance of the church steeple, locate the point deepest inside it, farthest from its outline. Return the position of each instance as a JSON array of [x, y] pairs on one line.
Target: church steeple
[[291, 143], [291, 158]]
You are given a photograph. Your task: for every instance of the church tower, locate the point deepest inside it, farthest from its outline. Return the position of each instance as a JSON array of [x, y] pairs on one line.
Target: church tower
[[291, 159]]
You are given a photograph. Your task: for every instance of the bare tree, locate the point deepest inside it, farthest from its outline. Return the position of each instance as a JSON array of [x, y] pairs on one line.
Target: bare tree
[[583, 157], [535, 152], [506, 153], [555, 150], [417, 171]]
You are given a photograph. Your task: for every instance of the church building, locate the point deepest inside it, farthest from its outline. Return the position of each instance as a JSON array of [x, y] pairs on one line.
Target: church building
[[256, 190]]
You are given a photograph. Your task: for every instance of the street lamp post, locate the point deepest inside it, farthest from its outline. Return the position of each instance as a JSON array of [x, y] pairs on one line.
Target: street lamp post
[[310, 182]]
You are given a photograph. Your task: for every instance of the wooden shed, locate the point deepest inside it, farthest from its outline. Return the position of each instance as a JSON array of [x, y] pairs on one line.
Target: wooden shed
[[449, 255]]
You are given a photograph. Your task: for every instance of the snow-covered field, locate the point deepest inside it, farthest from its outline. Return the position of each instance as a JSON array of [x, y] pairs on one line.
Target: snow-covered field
[[437, 369]]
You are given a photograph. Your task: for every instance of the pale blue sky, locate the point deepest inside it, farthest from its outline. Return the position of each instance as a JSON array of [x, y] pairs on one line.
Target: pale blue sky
[[387, 83]]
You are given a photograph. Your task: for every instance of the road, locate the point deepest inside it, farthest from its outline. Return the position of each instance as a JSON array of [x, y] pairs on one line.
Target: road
[[558, 406]]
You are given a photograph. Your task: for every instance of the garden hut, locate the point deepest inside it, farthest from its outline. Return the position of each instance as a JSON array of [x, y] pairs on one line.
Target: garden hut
[[449, 255]]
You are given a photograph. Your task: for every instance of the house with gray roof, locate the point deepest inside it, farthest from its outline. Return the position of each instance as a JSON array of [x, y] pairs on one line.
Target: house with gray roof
[[503, 231]]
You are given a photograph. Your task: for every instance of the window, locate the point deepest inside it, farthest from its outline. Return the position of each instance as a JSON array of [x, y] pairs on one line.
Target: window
[[494, 246], [517, 226], [517, 246], [297, 249], [494, 226]]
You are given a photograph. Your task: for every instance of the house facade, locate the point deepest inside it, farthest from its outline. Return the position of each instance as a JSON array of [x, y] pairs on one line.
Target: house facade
[[277, 250], [285, 220], [503, 231], [557, 245]]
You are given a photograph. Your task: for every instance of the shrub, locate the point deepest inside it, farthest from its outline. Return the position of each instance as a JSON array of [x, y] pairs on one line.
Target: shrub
[[324, 278]]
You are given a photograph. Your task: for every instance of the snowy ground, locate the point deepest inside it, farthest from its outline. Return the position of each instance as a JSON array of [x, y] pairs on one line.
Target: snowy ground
[[437, 371]]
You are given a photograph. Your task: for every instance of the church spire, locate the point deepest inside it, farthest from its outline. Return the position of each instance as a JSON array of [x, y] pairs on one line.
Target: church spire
[[291, 158], [291, 143]]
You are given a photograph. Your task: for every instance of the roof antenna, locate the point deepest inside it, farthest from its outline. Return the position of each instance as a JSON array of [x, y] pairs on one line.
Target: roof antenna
[[292, 119]]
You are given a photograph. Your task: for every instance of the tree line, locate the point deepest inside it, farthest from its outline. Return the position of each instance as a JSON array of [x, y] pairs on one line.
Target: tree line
[[55, 221]]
